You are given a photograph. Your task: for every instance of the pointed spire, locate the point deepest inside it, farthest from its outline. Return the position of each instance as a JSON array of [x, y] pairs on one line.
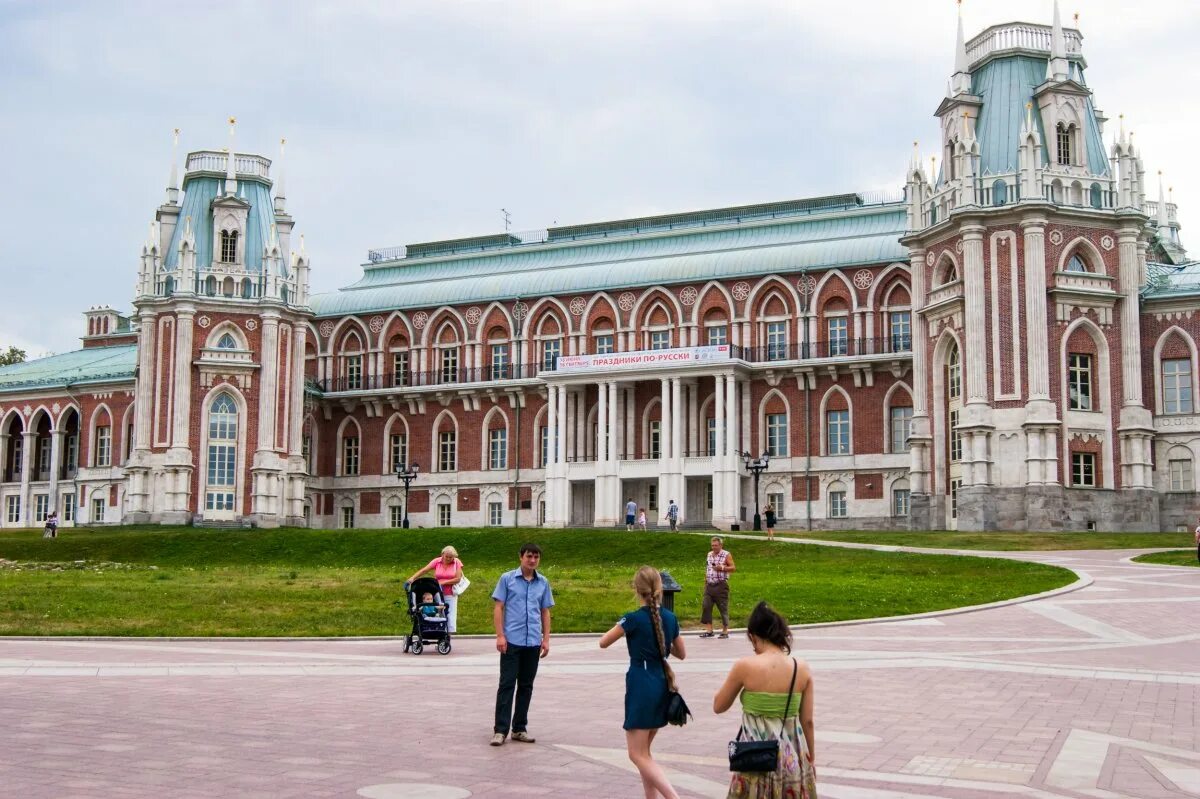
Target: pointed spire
[[173, 181], [1058, 68], [231, 166], [280, 184], [1160, 215], [915, 163], [960, 83], [960, 45]]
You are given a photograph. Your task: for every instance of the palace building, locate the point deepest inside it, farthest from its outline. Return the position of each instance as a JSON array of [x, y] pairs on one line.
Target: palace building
[[1009, 344]]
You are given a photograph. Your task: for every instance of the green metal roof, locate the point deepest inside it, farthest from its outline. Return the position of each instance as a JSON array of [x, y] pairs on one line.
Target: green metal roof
[[199, 193], [821, 240], [92, 365], [1169, 280], [1005, 85]]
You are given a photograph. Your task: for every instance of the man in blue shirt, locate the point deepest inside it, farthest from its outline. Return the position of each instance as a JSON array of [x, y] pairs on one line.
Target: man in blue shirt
[[521, 617]]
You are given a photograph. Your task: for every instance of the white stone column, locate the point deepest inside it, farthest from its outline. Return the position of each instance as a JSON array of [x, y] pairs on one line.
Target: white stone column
[[920, 438], [747, 444], [145, 383], [1036, 332], [693, 420], [664, 425], [602, 448], [975, 358], [551, 429], [1136, 425], [561, 435], [678, 418], [182, 413], [614, 421], [56, 448], [719, 418], [28, 455], [631, 419], [732, 432], [295, 426], [268, 385]]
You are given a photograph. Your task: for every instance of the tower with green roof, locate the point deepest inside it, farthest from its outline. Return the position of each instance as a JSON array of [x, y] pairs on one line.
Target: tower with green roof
[[222, 311], [1028, 249]]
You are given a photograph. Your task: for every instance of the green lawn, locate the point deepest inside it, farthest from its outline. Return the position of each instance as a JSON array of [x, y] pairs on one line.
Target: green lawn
[[343, 582], [997, 542], [1180, 557]]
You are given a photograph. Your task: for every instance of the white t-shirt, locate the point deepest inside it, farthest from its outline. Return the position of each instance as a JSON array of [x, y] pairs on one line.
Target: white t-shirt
[[631, 509]]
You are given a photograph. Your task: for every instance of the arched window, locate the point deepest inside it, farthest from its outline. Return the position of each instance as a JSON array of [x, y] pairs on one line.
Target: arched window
[[999, 192], [1063, 136], [221, 458], [1180, 470], [210, 286], [953, 374], [229, 241], [838, 506], [1077, 264], [947, 272], [227, 342], [1097, 196], [247, 288], [169, 285]]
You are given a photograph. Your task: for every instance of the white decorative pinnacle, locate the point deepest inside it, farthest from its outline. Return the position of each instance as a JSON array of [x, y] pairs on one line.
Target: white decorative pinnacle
[[173, 181], [231, 166], [280, 188], [1057, 68], [961, 81]]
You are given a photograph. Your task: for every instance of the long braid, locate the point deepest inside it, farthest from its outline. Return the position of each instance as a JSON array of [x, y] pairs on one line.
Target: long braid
[[648, 584], [656, 617]]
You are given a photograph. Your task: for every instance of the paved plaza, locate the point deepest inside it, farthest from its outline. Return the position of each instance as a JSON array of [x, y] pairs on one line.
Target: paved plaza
[[1090, 693]]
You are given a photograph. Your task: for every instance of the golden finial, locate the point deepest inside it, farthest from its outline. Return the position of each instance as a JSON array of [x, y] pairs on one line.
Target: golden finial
[[233, 120], [282, 142], [176, 134], [1076, 19]]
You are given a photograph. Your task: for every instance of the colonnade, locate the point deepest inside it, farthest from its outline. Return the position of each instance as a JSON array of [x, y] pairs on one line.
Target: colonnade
[[619, 438]]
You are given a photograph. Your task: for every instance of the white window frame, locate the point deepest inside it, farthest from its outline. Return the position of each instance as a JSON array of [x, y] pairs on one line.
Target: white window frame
[[500, 352], [1182, 478], [103, 445], [654, 439], [899, 427], [551, 352], [901, 501], [1079, 381], [498, 448], [396, 514], [354, 372], [660, 340], [837, 335], [776, 337], [955, 437], [351, 455], [447, 451], [444, 512], [1177, 385], [398, 450], [347, 519], [99, 508], [12, 509], [400, 368], [1083, 470], [41, 507], [776, 427], [68, 510], [839, 507], [716, 334], [495, 514], [837, 431], [604, 343], [448, 364]]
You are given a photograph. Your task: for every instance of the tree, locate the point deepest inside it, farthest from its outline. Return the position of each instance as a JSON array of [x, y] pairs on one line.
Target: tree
[[13, 355]]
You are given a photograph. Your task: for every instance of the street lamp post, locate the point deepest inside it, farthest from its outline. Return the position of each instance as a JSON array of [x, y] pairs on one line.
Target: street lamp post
[[407, 473], [756, 466]]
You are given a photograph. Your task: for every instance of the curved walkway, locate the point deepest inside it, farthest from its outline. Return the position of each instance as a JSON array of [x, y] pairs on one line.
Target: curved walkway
[[1092, 693]]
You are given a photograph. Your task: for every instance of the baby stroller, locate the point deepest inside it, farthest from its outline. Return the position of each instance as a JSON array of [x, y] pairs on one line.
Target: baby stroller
[[426, 629]]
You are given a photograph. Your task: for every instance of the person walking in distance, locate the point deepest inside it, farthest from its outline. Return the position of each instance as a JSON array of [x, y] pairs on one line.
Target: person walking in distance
[[673, 516], [718, 566], [521, 616], [770, 519], [630, 514]]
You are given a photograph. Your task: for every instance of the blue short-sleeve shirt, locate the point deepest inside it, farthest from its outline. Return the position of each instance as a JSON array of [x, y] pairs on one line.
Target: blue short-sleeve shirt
[[523, 603]]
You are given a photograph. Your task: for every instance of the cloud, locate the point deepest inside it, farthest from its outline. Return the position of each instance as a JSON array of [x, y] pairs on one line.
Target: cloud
[[418, 121]]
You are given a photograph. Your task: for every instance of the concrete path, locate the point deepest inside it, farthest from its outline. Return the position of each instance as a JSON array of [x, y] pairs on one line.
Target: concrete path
[[1087, 694]]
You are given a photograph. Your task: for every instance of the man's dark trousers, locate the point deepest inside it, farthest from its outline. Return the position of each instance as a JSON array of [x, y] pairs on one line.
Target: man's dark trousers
[[518, 667]]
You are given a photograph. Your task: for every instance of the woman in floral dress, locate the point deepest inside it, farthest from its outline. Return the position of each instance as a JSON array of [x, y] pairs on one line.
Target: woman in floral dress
[[763, 681]]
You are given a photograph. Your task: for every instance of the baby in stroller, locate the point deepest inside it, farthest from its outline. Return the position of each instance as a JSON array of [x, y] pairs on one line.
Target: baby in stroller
[[428, 615]]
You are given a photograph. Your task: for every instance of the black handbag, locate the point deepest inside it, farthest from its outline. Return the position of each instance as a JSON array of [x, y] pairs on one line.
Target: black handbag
[[677, 709], [759, 756]]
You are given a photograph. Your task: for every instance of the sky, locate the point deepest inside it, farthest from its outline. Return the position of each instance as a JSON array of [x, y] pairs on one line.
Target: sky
[[420, 120]]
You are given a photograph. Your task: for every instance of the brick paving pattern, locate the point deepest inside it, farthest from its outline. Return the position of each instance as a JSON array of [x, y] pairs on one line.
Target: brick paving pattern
[[1087, 694]]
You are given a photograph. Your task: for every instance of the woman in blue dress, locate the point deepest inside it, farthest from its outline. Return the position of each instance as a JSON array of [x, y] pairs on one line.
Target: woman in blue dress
[[652, 634]]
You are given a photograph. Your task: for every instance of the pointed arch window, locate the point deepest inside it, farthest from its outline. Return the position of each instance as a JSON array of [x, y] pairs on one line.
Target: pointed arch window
[[227, 342], [1077, 264], [1063, 139], [221, 456], [229, 242], [953, 375]]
